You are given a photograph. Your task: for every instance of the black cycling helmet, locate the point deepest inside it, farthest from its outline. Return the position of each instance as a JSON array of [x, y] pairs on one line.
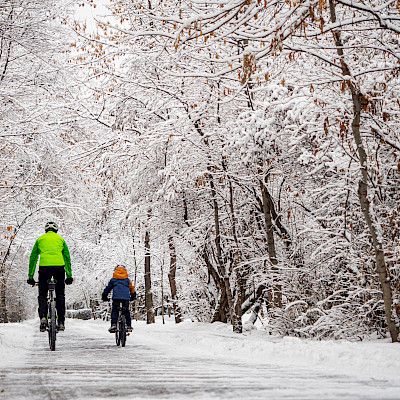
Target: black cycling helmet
[[51, 226]]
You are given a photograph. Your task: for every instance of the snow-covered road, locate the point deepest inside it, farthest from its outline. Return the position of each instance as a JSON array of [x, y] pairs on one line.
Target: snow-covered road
[[169, 362]]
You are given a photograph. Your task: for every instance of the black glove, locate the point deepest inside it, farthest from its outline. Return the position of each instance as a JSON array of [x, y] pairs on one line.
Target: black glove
[[31, 282], [104, 297], [133, 296], [68, 281]]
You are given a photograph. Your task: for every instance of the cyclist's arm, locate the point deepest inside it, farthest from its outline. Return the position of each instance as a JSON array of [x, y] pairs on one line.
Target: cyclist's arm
[[33, 260], [131, 287], [67, 260], [108, 288]]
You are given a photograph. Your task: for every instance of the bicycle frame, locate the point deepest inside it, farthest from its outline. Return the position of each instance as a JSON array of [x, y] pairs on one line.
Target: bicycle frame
[[52, 315], [120, 333]]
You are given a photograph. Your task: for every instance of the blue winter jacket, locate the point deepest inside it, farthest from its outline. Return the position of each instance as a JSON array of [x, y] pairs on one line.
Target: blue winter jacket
[[120, 289], [120, 285]]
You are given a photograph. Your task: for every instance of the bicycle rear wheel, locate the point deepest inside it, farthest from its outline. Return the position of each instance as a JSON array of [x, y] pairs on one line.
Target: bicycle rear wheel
[[123, 330], [117, 335], [52, 328]]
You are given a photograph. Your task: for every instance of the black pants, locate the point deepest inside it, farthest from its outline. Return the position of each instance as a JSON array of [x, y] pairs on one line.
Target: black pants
[[125, 311], [58, 273]]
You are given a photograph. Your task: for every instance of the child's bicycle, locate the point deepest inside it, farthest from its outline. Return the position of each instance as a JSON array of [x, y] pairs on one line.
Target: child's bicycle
[[121, 332]]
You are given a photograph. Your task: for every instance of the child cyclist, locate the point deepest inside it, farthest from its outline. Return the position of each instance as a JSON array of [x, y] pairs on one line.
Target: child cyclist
[[123, 292]]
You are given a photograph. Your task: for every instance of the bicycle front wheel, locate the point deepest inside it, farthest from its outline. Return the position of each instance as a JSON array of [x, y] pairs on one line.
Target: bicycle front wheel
[[52, 328], [123, 331]]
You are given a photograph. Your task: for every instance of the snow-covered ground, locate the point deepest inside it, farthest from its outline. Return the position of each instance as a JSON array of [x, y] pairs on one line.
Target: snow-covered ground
[[191, 360], [15, 343], [378, 359]]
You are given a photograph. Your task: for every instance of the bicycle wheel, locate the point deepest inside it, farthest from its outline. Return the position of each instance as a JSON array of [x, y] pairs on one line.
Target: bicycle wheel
[[123, 330], [117, 335], [52, 328]]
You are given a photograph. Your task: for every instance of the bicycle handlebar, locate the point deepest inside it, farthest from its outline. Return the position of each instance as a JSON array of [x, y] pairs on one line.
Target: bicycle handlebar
[[49, 282]]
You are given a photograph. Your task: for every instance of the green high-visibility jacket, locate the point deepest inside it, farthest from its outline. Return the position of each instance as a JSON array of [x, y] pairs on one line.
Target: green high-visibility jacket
[[53, 251]]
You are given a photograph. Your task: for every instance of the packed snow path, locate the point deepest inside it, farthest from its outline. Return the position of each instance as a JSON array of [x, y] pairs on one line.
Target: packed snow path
[[87, 364]]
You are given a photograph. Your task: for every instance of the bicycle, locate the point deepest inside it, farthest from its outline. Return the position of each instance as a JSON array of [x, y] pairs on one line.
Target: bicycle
[[121, 332], [52, 315]]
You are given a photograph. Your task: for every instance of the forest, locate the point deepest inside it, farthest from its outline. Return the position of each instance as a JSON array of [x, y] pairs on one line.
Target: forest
[[240, 157]]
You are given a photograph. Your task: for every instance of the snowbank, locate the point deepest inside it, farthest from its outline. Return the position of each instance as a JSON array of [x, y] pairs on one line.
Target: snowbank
[[375, 359], [16, 340]]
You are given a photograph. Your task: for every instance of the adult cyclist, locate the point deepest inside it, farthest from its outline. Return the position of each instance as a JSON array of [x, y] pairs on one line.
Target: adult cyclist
[[55, 261]]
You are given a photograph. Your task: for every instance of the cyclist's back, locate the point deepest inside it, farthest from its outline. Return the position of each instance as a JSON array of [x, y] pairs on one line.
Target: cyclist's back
[[54, 262], [50, 246]]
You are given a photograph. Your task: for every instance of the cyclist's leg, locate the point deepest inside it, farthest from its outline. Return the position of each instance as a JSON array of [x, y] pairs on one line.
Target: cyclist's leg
[[59, 276], [127, 312], [114, 312], [43, 289]]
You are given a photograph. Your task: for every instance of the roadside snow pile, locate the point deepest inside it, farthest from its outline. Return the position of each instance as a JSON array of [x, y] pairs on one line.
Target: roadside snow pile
[[81, 313], [15, 341], [374, 359]]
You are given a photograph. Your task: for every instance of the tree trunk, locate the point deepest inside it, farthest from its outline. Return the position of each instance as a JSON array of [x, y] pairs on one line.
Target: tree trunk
[[3, 304], [373, 225], [162, 292], [256, 296], [135, 302], [231, 304], [225, 302], [236, 259], [254, 312], [277, 287], [220, 313], [3, 277], [147, 281], [239, 302], [225, 283], [172, 280]]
